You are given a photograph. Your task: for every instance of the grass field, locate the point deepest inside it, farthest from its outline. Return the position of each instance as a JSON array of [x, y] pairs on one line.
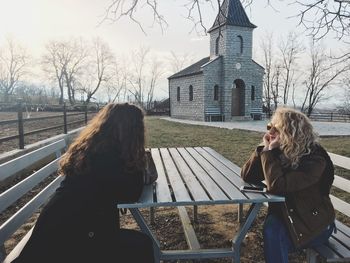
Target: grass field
[[236, 145]]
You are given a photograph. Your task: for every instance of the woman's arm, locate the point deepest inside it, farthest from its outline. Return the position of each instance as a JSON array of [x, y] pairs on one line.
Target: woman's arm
[[280, 181], [252, 171]]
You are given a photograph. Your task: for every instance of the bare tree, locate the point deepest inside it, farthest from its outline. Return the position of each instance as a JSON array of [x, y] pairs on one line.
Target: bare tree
[[276, 85], [156, 73], [143, 77], [290, 49], [345, 107], [53, 63], [137, 79], [322, 73], [178, 62], [13, 67], [318, 16], [117, 84], [63, 61], [75, 59], [99, 69], [267, 49]]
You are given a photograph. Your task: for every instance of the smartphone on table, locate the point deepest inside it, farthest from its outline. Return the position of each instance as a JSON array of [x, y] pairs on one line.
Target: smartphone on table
[[253, 188]]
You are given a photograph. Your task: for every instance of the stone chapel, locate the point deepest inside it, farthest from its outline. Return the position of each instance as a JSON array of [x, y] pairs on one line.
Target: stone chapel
[[227, 85]]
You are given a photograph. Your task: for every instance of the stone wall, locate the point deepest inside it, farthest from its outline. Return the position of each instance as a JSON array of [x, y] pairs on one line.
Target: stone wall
[[186, 109], [212, 72]]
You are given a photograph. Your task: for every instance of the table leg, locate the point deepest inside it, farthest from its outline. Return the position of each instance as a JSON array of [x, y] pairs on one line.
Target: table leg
[[240, 213], [151, 215], [244, 227], [195, 214], [145, 229]]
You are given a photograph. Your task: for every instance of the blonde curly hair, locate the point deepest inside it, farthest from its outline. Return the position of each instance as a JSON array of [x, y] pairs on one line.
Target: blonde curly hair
[[297, 136]]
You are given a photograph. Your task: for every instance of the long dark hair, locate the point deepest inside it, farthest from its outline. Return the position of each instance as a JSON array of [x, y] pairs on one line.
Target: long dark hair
[[117, 128]]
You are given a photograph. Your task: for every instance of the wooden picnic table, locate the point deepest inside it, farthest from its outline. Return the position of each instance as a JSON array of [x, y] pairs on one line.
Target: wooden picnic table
[[193, 176]]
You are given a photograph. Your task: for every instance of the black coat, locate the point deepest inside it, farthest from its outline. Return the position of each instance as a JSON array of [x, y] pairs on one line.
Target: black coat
[[80, 222]]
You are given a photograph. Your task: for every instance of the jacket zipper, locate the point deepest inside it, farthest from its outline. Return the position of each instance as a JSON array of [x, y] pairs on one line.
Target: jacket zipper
[[291, 222]]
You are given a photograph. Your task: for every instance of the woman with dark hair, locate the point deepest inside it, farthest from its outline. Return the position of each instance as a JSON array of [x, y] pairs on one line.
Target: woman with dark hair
[[104, 166], [294, 165]]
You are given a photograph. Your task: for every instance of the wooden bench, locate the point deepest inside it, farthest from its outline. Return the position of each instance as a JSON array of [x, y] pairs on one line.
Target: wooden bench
[[256, 113], [213, 111], [338, 247], [10, 170]]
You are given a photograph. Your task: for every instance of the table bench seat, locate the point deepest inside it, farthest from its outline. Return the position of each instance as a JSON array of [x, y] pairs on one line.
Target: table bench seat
[[14, 168], [338, 247]]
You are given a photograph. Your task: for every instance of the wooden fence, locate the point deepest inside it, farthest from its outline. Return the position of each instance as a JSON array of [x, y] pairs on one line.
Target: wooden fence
[[330, 116], [63, 115]]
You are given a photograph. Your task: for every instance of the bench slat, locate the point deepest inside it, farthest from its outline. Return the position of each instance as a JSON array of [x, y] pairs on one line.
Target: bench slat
[[343, 228], [339, 160], [11, 195], [326, 252], [193, 185], [228, 172], [13, 166], [162, 189], [341, 183], [339, 248], [223, 182], [175, 180], [340, 205], [342, 238], [208, 184], [14, 222]]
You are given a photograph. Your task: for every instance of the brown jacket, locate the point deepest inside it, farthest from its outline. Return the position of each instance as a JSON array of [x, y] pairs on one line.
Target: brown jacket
[[308, 209]]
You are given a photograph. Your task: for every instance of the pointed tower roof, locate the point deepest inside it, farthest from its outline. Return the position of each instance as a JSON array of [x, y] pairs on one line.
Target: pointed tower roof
[[232, 13]]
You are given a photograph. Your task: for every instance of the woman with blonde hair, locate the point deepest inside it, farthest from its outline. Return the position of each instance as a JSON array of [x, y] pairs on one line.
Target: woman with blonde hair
[[104, 166], [294, 165]]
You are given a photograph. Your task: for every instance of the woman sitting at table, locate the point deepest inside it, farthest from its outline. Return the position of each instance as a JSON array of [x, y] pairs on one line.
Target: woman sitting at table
[[104, 166], [294, 165]]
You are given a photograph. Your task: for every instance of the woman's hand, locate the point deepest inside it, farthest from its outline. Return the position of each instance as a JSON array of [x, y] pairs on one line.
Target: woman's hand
[[274, 142], [271, 141]]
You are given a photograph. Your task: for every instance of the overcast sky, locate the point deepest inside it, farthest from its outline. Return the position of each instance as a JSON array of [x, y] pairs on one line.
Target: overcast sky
[[35, 22]]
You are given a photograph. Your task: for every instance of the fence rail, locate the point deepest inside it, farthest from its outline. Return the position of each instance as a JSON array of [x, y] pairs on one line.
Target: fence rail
[[331, 116], [20, 121]]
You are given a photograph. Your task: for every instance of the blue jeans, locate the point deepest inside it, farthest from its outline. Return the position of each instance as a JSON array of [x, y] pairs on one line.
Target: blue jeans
[[277, 243]]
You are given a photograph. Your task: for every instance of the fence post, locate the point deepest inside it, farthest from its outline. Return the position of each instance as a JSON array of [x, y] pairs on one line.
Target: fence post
[[65, 130], [331, 116], [20, 125], [86, 114]]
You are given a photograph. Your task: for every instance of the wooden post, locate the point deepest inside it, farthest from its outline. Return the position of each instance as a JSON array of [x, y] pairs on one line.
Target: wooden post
[[86, 119], [65, 130], [331, 116], [20, 125]]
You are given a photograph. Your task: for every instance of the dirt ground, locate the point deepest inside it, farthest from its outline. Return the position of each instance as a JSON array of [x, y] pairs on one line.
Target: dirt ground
[[215, 228]]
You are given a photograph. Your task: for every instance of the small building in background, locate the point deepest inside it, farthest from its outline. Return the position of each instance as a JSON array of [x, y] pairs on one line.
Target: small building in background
[[228, 84]]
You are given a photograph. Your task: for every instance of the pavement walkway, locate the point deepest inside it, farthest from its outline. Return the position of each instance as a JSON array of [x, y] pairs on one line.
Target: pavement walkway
[[322, 128]]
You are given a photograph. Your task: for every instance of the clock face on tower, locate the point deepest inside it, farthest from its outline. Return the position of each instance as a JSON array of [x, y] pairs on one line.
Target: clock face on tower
[[238, 66]]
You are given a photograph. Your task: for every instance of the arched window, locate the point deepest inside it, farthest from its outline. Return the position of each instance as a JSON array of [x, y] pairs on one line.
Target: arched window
[[240, 44], [190, 91], [216, 92], [252, 93], [217, 45], [178, 94]]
